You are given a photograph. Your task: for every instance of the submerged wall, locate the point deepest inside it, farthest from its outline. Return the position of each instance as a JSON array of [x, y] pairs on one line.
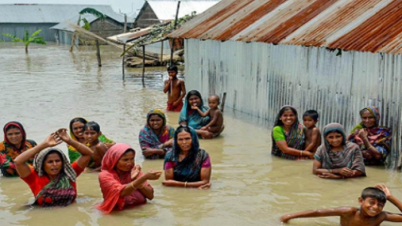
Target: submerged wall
[[259, 78]]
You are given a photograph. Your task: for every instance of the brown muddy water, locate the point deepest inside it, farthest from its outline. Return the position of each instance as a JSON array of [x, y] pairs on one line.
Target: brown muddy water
[[50, 86]]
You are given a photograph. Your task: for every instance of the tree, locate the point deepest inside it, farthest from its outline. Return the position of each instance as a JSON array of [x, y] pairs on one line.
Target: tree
[[34, 38]]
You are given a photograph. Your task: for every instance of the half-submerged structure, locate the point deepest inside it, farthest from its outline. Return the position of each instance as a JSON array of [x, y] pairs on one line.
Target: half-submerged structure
[[335, 56]]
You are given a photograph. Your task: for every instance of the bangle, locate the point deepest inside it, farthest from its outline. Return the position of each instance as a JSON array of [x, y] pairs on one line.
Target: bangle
[[301, 153], [185, 184], [132, 185]]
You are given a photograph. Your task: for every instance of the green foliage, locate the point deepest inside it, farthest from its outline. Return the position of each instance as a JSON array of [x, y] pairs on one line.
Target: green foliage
[[93, 12], [27, 39], [86, 25], [158, 32]]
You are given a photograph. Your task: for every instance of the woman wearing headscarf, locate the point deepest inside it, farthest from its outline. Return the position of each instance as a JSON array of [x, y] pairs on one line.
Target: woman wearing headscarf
[[122, 182], [288, 136], [14, 144], [53, 178], [77, 133], [337, 158], [374, 140], [187, 165], [156, 138]]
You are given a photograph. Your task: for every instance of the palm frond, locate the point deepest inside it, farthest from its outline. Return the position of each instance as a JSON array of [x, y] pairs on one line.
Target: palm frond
[[35, 33], [38, 40], [13, 37], [93, 12]]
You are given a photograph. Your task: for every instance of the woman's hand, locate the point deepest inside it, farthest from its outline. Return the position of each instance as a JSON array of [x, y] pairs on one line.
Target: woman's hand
[[169, 183], [135, 171], [346, 172], [52, 140], [205, 186], [153, 174], [328, 176], [308, 154], [194, 107], [146, 152], [62, 134], [362, 133]]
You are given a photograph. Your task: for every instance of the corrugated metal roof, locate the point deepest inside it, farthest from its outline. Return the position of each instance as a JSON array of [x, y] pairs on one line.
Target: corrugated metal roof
[[362, 25], [166, 10], [49, 13]]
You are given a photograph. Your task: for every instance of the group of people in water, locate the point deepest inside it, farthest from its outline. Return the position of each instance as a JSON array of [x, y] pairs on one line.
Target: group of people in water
[[52, 176]]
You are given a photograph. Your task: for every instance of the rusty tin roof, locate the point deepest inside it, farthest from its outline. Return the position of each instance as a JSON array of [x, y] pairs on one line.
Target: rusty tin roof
[[361, 25]]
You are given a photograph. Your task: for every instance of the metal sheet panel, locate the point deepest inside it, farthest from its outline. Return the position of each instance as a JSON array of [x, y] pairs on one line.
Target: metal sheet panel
[[259, 78], [361, 25]]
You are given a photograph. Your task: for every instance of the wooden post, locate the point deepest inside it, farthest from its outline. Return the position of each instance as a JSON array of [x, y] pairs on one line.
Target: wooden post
[[125, 23], [175, 25], [98, 54], [143, 65], [223, 102], [74, 34], [161, 52], [123, 61]]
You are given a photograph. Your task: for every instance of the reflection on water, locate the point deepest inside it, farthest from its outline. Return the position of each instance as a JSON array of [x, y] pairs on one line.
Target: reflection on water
[[50, 86]]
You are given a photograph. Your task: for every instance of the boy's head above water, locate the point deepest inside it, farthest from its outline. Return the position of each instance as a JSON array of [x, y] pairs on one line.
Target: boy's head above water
[[213, 101], [372, 201], [172, 70], [310, 118]]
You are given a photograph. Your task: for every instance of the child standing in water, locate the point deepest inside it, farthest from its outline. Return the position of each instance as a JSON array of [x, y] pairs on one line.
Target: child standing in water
[[372, 201], [215, 126], [312, 133], [176, 90], [91, 134]]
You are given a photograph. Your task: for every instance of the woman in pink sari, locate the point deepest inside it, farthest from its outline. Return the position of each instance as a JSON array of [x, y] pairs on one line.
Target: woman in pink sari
[[122, 182]]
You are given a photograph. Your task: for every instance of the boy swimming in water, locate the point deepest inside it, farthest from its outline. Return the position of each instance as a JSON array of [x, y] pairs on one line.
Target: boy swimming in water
[[176, 90], [91, 134], [215, 126], [372, 201], [312, 133]]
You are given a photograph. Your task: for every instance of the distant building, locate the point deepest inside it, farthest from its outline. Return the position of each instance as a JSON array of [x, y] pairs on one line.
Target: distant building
[[155, 12], [16, 18]]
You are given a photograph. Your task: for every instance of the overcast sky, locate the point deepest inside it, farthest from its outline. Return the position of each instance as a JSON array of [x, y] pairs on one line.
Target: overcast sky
[[124, 6]]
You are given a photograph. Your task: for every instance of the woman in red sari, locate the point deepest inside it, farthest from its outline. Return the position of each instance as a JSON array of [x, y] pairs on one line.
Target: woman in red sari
[[122, 182]]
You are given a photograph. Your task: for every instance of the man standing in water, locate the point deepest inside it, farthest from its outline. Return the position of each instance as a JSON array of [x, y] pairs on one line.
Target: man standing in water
[[176, 90]]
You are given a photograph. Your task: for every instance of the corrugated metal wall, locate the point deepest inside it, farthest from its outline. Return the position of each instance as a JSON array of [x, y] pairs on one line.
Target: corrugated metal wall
[[259, 78], [19, 30]]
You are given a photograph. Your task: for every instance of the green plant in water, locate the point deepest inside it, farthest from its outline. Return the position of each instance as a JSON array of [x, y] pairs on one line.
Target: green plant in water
[[27, 39]]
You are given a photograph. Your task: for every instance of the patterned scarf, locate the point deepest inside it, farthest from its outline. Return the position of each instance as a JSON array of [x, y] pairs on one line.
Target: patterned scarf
[[189, 169], [148, 138], [192, 117], [350, 157], [8, 151], [378, 136], [294, 139], [59, 191]]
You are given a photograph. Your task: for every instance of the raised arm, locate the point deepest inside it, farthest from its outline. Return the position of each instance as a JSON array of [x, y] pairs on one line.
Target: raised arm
[[340, 211], [20, 162], [166, 88], [393, 217], [85, 151], [138, 184], [314, 140], [203, 114]]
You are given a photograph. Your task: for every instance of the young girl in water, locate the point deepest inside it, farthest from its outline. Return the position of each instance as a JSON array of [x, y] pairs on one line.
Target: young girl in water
[[91, 134]]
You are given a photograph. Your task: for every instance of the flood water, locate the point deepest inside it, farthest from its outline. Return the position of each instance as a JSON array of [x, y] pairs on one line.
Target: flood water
[[47, 88]]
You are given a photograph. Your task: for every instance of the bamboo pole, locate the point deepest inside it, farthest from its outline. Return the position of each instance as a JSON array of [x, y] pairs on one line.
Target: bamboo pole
[[123, 61], [98, 54], [143, 65], [175, 25], [125, 23], [161, 52]]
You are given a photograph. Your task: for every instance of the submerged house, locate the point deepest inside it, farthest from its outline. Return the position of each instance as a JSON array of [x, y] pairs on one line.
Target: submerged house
[[155, 12], [16, 18], [332, 56]]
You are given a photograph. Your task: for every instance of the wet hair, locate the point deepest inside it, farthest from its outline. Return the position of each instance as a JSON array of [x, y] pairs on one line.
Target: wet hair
[[47, 155], [173, 68], [311, 113], [376, 193], [215, 96], [78, 119], [192, 93], [92, 125], [192, 154], [279, 122]]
